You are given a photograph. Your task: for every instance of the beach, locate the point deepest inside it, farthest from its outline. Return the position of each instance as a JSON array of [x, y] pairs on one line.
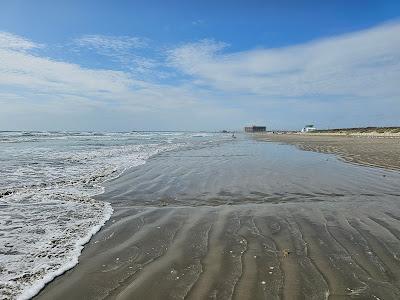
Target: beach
[[248, 219], [199, 150], [369, 149], [47, 195]]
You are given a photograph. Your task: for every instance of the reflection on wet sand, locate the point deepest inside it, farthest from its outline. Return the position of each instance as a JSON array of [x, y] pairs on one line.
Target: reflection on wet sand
[[335, 233], [364, 150]]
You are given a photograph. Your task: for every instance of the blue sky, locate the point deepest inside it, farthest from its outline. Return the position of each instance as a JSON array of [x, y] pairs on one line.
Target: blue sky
[[198, 65]]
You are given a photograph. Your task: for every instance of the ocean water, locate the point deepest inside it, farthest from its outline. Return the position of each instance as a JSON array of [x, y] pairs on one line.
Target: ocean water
[[47, 184]]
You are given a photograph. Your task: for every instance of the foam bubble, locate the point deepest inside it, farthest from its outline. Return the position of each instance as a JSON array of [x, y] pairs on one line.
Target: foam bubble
[[47, 211]]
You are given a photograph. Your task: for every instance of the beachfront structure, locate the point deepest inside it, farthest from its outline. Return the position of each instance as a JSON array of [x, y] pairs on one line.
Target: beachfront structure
[[308, 128], [255, 129]]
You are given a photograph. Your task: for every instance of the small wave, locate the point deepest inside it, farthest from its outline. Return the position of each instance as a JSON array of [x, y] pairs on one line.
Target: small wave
[[48, 189]]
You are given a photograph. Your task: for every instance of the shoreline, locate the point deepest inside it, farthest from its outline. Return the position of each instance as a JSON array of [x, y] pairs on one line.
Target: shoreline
[[369, 150], [342, 244], [79, 247], [28, 269]]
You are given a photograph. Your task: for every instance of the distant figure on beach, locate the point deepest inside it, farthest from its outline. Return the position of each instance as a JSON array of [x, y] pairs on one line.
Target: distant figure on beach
[[233, 136], [285, 253]]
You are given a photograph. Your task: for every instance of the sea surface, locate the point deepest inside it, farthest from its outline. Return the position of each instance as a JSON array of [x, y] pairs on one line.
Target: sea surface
[[47, 184]]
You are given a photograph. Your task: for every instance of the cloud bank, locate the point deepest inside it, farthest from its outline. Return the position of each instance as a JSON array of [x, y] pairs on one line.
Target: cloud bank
[[347, 80], [361, 64]]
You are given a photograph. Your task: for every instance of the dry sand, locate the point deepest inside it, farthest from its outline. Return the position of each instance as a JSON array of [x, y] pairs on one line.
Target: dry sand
[[337, 249]]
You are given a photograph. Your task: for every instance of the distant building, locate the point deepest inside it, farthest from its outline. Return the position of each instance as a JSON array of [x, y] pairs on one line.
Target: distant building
[[308, 128], [255, 129]]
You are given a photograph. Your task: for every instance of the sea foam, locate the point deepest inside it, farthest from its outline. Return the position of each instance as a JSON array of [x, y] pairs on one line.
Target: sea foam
[[47, 210]]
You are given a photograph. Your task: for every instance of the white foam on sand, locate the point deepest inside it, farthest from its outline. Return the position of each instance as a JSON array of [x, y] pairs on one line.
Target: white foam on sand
[[50, 215], [34, 289], [43, 233]]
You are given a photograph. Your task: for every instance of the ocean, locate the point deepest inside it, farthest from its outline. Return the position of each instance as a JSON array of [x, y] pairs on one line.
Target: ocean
[[47, 184]]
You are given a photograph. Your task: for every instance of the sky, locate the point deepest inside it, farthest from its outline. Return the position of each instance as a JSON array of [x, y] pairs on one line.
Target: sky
[[198, 65]]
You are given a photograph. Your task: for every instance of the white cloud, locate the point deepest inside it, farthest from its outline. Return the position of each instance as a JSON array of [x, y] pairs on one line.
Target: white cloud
[[197, 22], [213, 87], [13, 42], [360, 64], [37, 84], [27, 71], [111, 43], [120, 49]]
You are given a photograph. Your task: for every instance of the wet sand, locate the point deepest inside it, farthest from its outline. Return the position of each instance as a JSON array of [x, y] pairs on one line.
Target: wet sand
[[376, 151], [247, 220]]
